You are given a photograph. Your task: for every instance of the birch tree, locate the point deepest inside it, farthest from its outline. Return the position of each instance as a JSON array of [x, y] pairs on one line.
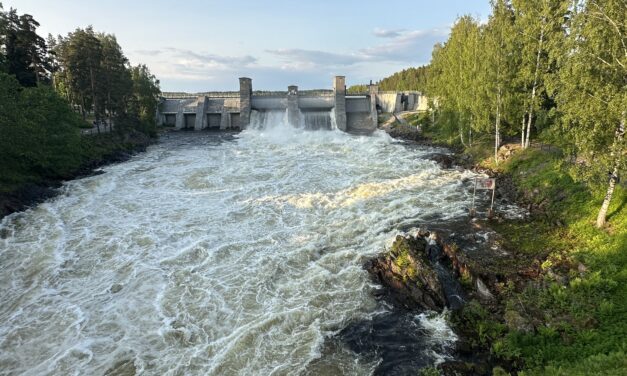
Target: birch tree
[[593, 92]]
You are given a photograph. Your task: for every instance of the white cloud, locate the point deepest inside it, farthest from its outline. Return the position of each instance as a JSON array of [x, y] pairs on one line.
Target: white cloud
[[396, 49], [383, 33]]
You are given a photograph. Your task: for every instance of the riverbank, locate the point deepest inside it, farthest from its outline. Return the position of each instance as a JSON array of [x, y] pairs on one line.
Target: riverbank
[[97, 151], [557, 290]]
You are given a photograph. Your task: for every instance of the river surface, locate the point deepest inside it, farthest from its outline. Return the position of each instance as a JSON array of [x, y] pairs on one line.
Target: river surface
[[215, 254]]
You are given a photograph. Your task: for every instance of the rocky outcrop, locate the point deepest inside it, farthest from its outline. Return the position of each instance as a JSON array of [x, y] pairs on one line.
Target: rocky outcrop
[[406, 272]]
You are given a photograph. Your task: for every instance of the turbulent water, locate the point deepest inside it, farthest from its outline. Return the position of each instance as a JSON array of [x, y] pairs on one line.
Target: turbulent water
[[216, 255]]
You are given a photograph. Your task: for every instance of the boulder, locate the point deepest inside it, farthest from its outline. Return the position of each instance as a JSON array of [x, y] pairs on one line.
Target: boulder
[[406, 272]]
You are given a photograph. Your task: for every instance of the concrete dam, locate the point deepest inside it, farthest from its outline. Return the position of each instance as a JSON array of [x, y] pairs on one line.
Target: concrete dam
[[309, 109]]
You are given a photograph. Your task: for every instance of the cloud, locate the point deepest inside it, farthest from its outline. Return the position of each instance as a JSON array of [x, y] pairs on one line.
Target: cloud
[[185, 69], [148, 52], [383, 33], [407, 46], [208, 58], [296, 57]]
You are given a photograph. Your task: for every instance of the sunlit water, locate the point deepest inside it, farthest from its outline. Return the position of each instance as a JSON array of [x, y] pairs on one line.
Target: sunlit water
[[214, 255]]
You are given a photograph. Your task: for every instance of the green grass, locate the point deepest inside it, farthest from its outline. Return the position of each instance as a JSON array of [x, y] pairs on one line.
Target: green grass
[[581, 316]]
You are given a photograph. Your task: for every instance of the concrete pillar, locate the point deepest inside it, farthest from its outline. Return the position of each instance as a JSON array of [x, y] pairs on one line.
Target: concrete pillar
[[411, 101], [180, 118], [339, 109], [225, 119], [293, 113], [398, 104], [373, 90], [201, 113], [245, 99]]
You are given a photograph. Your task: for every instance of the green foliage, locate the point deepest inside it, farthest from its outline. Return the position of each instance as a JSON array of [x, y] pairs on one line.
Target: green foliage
[[410, 79], [24, 52], [475, 320], [579, 317], [39, 129], [354, 89], [429, 371], [38, 134]]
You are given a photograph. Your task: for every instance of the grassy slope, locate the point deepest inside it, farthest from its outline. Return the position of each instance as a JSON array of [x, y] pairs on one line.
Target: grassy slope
[[578, 305], [582, 309]]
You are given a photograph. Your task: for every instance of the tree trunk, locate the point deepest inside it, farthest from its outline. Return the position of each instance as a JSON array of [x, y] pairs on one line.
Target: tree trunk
[[534, 87], [497, 125], [470, 132], [617, 154], [522, 131]]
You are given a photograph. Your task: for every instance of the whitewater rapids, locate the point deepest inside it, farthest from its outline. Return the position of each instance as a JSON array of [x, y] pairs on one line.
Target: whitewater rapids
[[215, 255]]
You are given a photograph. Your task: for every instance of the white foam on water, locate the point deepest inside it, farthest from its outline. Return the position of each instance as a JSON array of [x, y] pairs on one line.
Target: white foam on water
[[441, 336], [212, 257]]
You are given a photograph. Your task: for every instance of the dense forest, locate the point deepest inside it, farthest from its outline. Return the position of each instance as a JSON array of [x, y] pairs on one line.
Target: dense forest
[[555, 70], [410, 79], [538, 93], [52, 88]]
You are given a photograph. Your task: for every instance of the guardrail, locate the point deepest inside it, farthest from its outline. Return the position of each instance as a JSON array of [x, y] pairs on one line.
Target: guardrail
[[268, 93], [211, 94]]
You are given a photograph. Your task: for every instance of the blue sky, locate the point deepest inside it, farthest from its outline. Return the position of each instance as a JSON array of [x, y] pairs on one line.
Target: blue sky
[[206, 45]]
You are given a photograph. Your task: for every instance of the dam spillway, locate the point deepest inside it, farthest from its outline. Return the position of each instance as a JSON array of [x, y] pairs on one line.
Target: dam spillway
[[309, 109]]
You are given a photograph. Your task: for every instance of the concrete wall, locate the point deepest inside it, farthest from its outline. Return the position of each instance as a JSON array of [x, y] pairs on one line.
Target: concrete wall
[[225, 110], [261, 103], [359, 122], [389, 102], [358, 104], [214, 120], [315, 103], [402, 101]]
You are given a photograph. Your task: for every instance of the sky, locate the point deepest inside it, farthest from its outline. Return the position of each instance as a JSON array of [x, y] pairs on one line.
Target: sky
[[197, 46]]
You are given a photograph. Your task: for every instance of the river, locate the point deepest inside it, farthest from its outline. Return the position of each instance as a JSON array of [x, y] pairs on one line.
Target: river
[[217, 254]]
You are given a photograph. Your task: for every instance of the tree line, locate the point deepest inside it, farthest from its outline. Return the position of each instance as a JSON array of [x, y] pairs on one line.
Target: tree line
[[410, 79], [50, 87], [549, 69]]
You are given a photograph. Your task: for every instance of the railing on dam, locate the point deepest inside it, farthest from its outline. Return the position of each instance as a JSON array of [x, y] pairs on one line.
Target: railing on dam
[[236, 94], [211, 94], [269, 93], [301, 93]]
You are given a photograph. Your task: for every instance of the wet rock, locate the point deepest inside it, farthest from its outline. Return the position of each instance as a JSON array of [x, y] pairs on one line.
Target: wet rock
[[458, 367], [483, 290], [444, 160], [122, 368], [404, 132], [115, 288], [405, 271]]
